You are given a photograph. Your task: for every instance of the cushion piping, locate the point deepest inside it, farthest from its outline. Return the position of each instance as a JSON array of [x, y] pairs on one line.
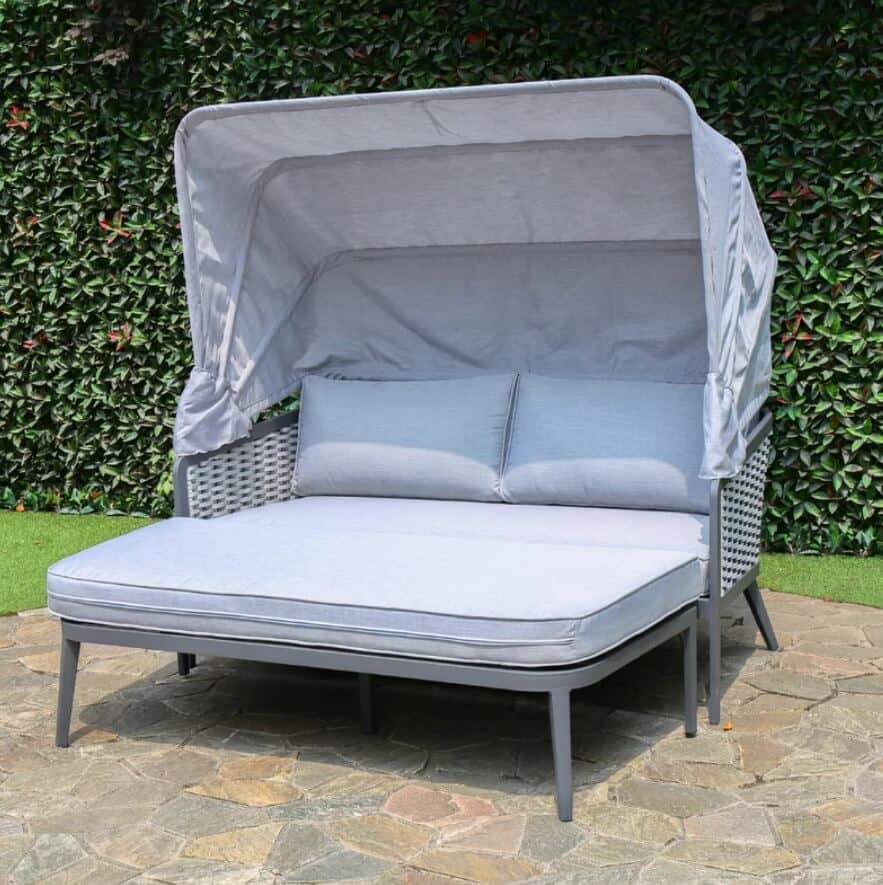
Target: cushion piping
[[619, 599]]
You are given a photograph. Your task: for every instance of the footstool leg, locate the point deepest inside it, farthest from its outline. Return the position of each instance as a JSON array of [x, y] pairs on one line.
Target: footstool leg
[[761, 618], [183, 664], [559, 718], [690, 679], [714, 670], [366, 703], [67, 678]]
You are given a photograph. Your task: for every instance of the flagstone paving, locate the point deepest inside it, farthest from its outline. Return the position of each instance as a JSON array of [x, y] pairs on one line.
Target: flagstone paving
[[245, 773]]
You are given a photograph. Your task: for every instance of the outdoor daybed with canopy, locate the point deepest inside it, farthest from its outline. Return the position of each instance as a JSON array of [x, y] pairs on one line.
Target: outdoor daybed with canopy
[[529, 327]]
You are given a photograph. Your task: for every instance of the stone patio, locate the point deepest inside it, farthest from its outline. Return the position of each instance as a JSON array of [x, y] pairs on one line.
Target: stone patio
[[246, 773]]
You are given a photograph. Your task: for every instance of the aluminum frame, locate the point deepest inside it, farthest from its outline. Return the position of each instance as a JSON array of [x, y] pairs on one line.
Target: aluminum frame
[[556, 682], [710, 606]]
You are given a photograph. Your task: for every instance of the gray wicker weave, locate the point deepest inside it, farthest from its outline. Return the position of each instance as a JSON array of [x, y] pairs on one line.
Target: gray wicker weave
[[254, 471], [741, 503]]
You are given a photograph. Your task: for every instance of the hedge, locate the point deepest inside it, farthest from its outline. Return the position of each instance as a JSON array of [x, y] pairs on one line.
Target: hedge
[[93, 325]]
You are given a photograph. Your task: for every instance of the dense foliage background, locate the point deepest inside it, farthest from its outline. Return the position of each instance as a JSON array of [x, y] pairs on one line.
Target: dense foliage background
[[94, 341]]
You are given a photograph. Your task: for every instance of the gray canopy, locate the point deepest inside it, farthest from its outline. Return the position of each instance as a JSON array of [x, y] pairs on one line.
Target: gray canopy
[[579, 228]]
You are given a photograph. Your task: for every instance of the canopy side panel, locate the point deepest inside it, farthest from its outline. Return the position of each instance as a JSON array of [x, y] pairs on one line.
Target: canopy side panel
[[739, 269]]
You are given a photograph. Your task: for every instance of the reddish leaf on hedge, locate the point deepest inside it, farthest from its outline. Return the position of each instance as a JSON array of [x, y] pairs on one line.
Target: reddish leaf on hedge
[[18, 118], [29, 344], [115, 227], [121, 335], [474, 37], [778, 195]]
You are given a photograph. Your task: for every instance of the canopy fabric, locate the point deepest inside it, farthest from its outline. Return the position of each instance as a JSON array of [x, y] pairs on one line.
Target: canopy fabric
[[579, 228]]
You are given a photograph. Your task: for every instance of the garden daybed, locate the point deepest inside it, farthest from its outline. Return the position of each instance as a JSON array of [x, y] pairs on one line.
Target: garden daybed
[[528, 326]]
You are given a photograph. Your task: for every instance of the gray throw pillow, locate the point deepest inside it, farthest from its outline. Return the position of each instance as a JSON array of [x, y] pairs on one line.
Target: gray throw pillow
[[633, 444], [404, 439]]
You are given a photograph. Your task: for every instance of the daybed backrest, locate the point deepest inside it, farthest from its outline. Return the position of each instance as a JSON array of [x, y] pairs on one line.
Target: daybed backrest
[[598, 443], [403, 439], [540, 440]]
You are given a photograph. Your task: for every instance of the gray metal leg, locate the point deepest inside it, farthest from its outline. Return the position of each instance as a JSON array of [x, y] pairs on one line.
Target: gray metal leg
[[366, 703], [761, 618], [183, 664], [559, 718], [67, 678], [689, 646], [192, 662], [714, 670]]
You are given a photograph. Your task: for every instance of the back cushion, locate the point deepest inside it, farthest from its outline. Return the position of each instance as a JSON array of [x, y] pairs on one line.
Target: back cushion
[[406, 439], [592, 443]]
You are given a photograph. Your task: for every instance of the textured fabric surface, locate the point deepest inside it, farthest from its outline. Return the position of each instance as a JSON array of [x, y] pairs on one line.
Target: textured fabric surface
[[380, 575], [587, 228], [606, 444], [405, 439], [453, 311]]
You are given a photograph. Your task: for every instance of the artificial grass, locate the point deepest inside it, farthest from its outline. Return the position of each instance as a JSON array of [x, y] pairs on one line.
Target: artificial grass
[[30, 542], [835, 578]]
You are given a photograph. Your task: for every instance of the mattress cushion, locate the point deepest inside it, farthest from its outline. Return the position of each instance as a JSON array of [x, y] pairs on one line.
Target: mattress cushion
[[434, 579]]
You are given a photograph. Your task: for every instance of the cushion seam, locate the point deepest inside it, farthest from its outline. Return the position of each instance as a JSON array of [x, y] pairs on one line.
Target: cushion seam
[[527, 667], [319, 625], [507, 438]]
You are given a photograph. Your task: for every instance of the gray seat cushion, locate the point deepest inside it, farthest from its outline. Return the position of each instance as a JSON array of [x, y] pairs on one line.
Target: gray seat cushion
[[595, 443], [405, 439], [435, 579]]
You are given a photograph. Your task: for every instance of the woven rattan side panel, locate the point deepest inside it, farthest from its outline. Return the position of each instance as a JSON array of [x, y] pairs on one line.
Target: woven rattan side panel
[[254, 472], [741, 503]]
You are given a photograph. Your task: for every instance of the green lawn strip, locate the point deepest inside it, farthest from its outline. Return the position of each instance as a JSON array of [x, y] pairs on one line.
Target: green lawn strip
[[837, 578], [30, 542]]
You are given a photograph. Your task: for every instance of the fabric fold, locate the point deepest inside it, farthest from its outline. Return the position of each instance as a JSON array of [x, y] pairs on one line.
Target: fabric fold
[[207, 413], [724, 440]]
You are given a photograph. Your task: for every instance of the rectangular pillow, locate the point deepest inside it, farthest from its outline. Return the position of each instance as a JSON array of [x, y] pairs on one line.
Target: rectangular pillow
[[593, 443], [404, 439]]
